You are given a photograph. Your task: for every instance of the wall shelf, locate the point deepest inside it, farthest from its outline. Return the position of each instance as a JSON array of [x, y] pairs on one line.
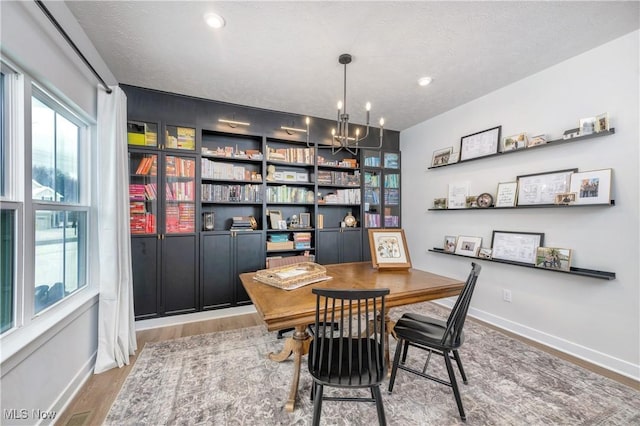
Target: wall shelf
[[592, 273], [536, 206], [550, 143]]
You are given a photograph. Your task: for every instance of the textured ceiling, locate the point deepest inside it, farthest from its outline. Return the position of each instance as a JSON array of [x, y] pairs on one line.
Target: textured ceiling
[[284, 55]]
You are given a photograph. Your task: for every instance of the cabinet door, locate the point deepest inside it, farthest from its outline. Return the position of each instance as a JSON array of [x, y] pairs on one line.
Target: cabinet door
[[250, 254], [217, 271], [328, 246], [351, 249], [144, 260], [179, 279]]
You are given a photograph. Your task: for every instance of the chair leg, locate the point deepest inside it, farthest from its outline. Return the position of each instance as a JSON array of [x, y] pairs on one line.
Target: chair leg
[[405, 352], [394, 369], [317, 403], [382, 420], [456, 355], [454, 384]]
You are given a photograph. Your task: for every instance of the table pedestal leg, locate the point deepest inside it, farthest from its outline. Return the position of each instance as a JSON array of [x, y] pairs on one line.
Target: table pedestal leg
[[298, 345]]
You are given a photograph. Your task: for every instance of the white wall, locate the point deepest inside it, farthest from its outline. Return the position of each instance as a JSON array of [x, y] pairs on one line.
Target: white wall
[[593, 319], [45, 362]]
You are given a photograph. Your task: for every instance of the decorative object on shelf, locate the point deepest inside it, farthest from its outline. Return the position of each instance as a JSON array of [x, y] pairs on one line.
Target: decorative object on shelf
[[244, 223], [450, 243], [471, 202], [350, 220], [271, 171], [484, 200], [441, 156], [587, 125], [516, 246], [389, 249], [480, 144], [518, 141], [507, 194], [553, 258], [439, 203], [275, 216], [602, 123], [293, 221], [541, 188], [484, 253], [454, 157], [340, 137], [566, 198], [208, 221], [468, 246], [592, 187], [536, 140], [571, 133], [305, 220], [457, 195], [233, 123]]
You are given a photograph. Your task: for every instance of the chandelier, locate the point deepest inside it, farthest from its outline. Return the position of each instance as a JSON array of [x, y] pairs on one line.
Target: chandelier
[[340, 136]]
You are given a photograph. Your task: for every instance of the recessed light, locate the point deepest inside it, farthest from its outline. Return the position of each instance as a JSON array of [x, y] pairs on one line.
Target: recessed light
[[424, 81], [214, 20]]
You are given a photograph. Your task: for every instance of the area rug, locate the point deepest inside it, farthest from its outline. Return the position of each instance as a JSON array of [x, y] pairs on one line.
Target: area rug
[[226, 378]]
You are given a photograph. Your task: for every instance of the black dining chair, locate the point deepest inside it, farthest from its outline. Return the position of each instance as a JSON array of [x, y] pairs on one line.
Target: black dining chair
[[352, 356], [436, 336]]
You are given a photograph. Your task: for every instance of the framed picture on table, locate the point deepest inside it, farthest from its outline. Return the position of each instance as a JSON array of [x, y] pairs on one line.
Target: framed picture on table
[[389, 249]]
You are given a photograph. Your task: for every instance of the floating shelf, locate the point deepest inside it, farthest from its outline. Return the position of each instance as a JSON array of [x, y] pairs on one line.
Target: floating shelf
[[535, 206], [550, 143], [603, 275]]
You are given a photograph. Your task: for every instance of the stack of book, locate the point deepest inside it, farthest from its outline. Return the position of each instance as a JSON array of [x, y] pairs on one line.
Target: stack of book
[[243, 223], [279, 241], [302, 240]]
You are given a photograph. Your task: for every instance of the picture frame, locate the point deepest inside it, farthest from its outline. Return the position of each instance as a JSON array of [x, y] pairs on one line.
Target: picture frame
[[592, 187], [468, 246], [512, 143], [441, 157], [518, 247], [602, 123], [282, 224], [389, 249], [480, 144], [541, 188], [587, 125], [454, 157], [506, 194], [484, 253], [555, 258], [471, 202], [566, 198], [536, 140], [305, 220], [275, 216], [440, 203], [450, 243], [457, 195]]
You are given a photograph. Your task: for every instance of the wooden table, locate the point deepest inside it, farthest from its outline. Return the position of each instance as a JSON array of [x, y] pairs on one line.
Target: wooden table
[[296, 308]]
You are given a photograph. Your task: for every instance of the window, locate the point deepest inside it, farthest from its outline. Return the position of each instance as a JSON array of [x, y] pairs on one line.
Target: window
[[7, 269], [3, 160], [60, 225]]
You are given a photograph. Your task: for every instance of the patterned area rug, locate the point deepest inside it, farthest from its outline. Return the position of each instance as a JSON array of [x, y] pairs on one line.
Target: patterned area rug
[[226, 379]]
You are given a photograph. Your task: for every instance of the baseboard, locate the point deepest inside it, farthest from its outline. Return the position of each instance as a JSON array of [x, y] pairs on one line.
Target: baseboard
[[583, 353], [67, 396], [195, 317]]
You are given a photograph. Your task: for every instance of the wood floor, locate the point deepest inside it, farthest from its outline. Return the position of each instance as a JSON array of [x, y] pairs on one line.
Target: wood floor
[[93, 401]]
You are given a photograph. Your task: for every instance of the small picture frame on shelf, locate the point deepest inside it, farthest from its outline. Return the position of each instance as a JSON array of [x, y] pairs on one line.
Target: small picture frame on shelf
[[305, 220], [472, 202], [480, 144], [571, 133], [484, 253], [587, 125], [592, 187], [602, 123], [275, 216], [389, 249], [441, 157], [566, 198], [282, 224], [450, 243], [519, 247], [454, 157], [511, 143], [440, 203], [468, 246], [536, 140], [506, 195], [553, 258]]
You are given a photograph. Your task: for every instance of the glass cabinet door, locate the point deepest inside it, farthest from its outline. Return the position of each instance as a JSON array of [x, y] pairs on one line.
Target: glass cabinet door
[[180, 207], [391, 200], [372, 204], [177, 137], [143, 191], [140, 133]]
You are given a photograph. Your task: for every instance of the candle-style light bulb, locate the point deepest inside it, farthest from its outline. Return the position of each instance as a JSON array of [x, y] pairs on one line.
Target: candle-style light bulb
[[381, 122], [357, 133], [333, 132], [368, 106], [307, 121], [339, 105]]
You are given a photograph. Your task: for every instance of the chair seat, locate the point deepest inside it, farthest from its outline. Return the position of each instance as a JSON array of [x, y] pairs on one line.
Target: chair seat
[[424, 330], [360, 373]]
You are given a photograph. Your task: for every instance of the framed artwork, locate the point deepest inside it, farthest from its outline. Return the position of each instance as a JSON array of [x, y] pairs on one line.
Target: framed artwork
[[566, 198], [305, 220], [457, 196], [468, 246], [518, 247], [602, 122], [514, 142], [536, 140], [553, 258], [440, 203], [450, 243], [484, 253], [480, 144], [541, 188], [441, 157], [389, 249], [275, 216], [506, 194], [587, 125], [592, 187]]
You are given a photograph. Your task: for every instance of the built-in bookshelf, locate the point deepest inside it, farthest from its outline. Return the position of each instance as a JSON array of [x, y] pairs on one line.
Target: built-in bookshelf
[[143, 193], [381, 177]]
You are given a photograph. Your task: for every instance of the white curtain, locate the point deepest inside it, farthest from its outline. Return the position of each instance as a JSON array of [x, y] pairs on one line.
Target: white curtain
[[116, 328]]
